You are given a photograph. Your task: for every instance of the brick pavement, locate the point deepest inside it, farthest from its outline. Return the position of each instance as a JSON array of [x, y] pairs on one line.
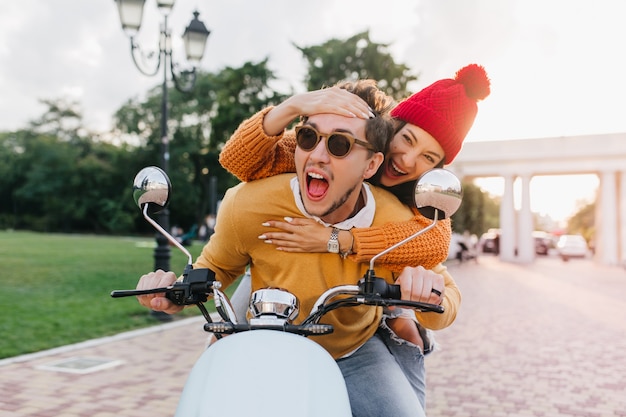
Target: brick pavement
[[155, 365], [540, 340]]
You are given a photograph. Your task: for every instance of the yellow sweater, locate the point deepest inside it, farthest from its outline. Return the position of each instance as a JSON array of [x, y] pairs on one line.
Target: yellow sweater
[[251, 154], [235, 244]]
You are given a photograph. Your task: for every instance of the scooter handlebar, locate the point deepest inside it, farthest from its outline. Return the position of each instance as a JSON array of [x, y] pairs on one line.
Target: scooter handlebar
[[377, 291]]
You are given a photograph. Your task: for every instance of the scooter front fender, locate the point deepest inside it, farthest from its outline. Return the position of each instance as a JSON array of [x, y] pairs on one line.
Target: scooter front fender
[[264, 373]]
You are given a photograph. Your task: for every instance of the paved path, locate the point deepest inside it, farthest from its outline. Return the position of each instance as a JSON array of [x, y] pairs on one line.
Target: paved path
[[547, 339], [541, 340], [147, 383]]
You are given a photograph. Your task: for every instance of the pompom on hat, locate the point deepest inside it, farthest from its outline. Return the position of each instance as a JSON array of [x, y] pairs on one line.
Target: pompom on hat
[[447, 108]]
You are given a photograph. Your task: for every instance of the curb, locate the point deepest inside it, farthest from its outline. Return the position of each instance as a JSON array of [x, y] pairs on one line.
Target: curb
[[100, 341]]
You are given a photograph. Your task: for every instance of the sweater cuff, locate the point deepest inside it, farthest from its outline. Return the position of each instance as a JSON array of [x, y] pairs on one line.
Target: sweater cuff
[[368, 242], [258, 141]]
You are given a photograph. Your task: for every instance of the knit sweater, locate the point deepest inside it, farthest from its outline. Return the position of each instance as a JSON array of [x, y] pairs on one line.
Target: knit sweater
[[235, 244], [251, 154]]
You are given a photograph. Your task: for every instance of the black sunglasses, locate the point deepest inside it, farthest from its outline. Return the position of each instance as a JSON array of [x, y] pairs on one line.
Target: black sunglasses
[[338, 144]]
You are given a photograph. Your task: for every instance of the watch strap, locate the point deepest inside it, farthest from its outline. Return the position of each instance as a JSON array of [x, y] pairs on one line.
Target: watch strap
[[333, 242]]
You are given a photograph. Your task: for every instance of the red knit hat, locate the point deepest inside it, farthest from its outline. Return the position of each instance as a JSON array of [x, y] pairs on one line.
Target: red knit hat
[[446, 109]]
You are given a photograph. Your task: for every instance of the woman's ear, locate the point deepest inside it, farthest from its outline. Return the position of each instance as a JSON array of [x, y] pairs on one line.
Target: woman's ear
[[374, 163]]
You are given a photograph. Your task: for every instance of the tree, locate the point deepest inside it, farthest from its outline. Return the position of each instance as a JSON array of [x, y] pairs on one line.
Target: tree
[[199, 123], [354, 58], [478, 211], [57, 178], [583, 222], [62, 119], [10, 176]]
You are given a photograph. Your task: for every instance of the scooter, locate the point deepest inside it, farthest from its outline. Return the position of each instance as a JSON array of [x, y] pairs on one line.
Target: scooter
[[254, 371]]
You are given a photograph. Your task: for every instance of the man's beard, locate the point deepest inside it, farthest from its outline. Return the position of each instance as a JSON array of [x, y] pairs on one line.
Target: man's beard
[[337, 203]]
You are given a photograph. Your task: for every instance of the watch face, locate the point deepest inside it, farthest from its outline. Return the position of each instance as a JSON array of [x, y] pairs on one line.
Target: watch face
[[333, 243], [333, 247]]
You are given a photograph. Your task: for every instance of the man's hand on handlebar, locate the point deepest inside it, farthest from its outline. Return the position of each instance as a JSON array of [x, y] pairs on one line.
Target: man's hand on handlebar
[[157, 302], [420, 284]]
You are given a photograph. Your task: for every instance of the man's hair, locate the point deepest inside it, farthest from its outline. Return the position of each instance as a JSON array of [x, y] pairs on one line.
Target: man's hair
[[378, 130]]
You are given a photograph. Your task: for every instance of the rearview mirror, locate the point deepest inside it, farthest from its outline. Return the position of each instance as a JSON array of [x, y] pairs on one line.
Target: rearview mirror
[[152, 186], [438, 189]]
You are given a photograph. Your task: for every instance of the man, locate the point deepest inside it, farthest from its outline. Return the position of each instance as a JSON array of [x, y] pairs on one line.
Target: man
[[334, 156]]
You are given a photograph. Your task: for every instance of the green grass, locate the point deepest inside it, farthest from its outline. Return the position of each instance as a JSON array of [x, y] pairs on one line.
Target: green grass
[[55, 288]]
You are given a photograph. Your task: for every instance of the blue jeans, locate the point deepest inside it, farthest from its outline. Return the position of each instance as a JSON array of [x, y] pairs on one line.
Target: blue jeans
[[410, 358], [377, 384]]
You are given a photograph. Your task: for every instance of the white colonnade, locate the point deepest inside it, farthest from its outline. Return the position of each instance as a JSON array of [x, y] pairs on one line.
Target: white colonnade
[[603, 155]]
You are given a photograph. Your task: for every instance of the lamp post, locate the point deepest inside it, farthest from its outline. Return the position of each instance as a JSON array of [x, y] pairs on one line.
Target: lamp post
[[195, 37]]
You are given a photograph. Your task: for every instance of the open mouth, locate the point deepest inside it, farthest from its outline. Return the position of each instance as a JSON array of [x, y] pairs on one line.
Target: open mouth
[[394, 170], [316, 185]]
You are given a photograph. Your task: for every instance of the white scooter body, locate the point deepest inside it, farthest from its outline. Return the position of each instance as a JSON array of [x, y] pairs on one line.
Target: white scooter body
[[264, 373]]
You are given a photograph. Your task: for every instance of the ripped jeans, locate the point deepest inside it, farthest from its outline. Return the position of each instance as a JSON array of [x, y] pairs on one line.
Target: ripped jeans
[[376, 381], [409, 357]]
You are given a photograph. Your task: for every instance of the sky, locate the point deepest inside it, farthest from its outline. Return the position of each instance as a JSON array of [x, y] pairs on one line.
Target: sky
[[557, 67]]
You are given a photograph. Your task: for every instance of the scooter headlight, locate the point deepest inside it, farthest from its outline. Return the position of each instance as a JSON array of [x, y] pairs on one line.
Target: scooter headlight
[[274, 302]]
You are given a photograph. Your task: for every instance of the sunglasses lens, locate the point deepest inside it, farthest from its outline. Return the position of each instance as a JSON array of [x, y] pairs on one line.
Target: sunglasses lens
[[306, 138], [339, 145]]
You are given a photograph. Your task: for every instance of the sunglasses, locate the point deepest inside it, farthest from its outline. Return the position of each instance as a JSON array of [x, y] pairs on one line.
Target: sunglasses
[[338, 144]]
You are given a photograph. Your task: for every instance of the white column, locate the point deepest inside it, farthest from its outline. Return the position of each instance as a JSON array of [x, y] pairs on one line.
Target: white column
[[507, 221], [525, 241], [621, 217], [607, 248]]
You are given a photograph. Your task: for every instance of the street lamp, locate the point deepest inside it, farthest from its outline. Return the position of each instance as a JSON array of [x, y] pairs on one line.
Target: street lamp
[[195, 37]]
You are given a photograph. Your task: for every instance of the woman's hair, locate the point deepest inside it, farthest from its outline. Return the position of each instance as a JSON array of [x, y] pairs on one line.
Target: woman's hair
[[404, 191]]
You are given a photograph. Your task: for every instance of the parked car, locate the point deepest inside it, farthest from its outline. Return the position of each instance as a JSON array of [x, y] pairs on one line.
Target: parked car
[[572, 246], [543, 242], [490, 241]]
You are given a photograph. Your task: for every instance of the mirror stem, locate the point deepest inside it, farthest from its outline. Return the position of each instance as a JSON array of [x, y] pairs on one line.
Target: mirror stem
[[166, 234], [402, 242]]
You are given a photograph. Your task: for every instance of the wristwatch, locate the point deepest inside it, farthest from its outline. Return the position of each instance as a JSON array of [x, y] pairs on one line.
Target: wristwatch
[[333, 242]]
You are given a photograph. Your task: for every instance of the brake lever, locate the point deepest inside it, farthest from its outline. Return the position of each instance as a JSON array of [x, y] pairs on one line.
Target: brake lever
[[194, 288], [376, 291], [130, 293], [417, 305]]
